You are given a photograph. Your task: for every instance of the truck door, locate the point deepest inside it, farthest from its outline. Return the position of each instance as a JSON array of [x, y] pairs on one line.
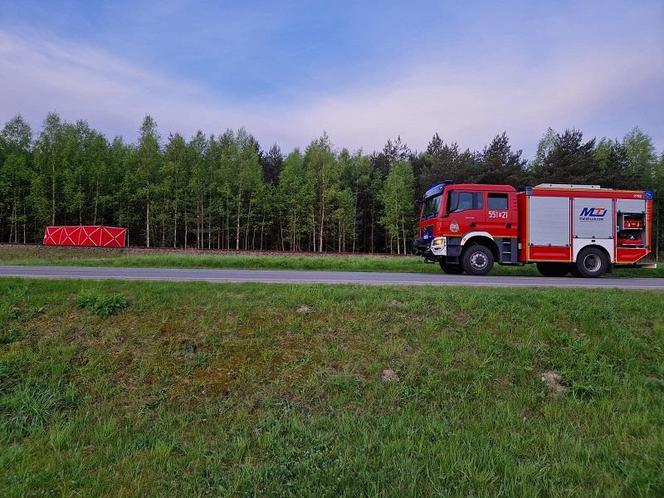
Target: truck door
[[500, 217], [465, 210]]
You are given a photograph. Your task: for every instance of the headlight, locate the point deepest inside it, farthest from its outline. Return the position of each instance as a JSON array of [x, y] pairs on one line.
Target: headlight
[[438, 241]]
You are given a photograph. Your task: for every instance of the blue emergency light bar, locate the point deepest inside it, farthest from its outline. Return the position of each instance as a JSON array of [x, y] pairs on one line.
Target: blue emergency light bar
[[436, 189]]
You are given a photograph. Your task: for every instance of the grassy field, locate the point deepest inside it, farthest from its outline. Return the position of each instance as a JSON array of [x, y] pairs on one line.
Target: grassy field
[[127, 389], [72, 256]]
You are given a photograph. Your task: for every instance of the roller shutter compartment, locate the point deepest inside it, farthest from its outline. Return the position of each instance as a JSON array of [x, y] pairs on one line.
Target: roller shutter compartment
[[548, 221]]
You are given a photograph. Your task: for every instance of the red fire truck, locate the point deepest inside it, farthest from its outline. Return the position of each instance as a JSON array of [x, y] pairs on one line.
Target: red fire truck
[[585, 230]]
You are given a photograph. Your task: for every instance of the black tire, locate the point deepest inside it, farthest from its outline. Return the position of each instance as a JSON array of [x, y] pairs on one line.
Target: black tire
[[451, 268], [553, 269], [477, 260], [592, 262]]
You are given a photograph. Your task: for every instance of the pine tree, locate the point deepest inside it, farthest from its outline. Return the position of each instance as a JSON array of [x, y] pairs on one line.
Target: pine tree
[[498, 164], [567, 160], [444, 161], [271, 164]]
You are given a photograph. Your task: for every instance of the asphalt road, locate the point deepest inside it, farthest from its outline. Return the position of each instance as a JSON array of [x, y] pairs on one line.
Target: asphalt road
[[322, 277]]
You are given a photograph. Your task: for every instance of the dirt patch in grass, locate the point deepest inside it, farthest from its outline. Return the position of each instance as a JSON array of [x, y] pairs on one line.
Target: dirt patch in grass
[[462, 318], [389, 375], [553, 381]]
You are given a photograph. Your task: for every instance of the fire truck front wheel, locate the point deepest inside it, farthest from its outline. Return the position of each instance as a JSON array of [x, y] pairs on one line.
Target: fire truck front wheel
[[592, 262], [477, 260]]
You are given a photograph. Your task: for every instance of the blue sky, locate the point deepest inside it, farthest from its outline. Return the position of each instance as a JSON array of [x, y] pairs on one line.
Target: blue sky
[[362, 71]]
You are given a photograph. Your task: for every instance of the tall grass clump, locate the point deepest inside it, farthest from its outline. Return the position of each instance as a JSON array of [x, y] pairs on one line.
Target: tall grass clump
[[102, 305]]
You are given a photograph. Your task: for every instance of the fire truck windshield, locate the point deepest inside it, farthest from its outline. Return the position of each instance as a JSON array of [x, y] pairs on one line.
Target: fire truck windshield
[[431, 207]]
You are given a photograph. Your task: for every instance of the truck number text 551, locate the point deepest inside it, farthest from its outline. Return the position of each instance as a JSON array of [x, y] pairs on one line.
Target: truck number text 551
[[493, 214]]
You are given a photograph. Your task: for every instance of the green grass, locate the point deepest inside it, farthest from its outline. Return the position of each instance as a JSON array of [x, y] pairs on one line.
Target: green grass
[[72, 256], [102, 305], [37, 255], [199, 389]]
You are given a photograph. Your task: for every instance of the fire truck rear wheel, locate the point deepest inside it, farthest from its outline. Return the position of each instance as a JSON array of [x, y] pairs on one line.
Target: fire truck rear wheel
[[477, 260], [553, 269], [592, 262], [451, 268]]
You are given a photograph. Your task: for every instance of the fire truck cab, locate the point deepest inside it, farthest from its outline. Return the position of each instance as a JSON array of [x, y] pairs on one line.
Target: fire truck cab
[[580, 229]]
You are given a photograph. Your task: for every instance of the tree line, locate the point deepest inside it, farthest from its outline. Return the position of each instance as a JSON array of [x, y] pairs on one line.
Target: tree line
[[226, 192]]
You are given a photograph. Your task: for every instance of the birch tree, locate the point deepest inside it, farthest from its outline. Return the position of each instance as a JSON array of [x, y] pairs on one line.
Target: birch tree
[[148, 160], [321, 166], [15, 175], [398, 195]]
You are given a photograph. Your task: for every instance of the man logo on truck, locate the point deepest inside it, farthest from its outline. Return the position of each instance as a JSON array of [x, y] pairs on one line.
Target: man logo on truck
[[591, 214]]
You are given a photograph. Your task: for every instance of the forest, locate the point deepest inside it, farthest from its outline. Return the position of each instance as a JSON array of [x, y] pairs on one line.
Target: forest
[[226, 192]]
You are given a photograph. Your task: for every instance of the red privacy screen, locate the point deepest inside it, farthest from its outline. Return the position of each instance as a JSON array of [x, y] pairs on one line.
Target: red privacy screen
[[85, 236]]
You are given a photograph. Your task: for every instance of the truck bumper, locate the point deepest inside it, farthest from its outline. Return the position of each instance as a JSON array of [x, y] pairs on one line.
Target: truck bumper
[[422, 247], [428, 250]]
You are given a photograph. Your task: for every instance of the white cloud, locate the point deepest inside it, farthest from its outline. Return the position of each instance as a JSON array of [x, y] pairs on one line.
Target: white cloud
[[79, 82], [470, 106], [467, 103]]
